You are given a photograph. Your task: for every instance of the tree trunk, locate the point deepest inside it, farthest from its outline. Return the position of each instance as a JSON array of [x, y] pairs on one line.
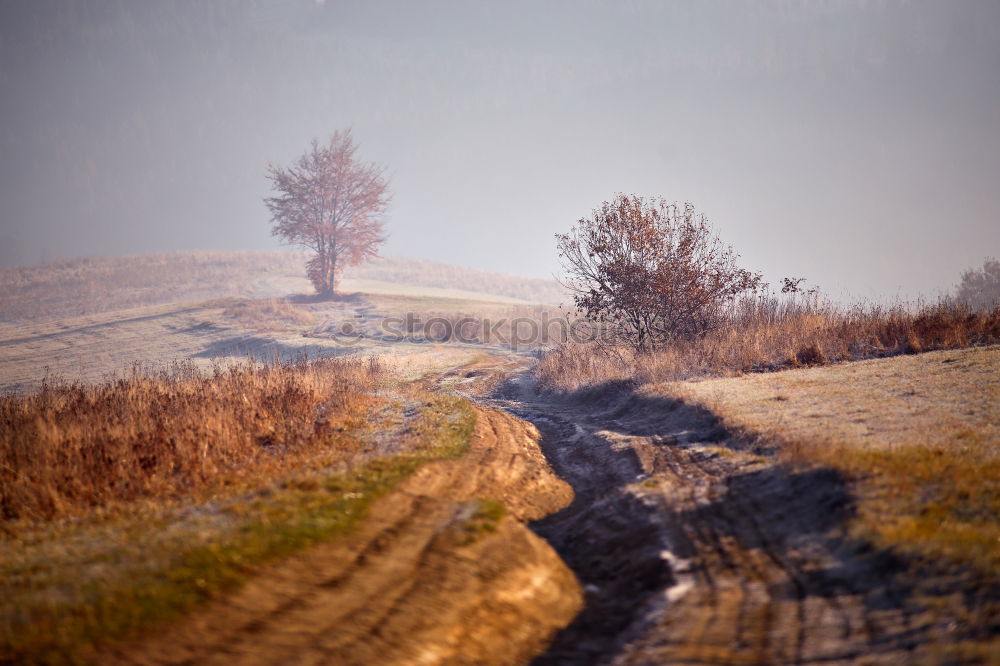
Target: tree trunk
[[331, 264], [331, 276]]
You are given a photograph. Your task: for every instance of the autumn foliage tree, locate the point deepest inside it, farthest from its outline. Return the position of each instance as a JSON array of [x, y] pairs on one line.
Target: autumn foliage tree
[[650, 272], [332, 203]]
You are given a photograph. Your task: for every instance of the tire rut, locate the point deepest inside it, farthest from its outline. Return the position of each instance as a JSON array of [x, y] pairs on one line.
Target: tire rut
[[693, 549], [415, 583]]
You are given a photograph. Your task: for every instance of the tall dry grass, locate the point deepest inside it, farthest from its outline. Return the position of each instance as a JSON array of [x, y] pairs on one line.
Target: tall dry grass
[[764, 334], [67, 448]]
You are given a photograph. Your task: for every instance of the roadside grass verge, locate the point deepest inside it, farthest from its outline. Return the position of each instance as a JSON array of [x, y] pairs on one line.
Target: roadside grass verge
[[74, 584], [130, 501], [919, 436], [767, 334], [942, 504], [71, 448]]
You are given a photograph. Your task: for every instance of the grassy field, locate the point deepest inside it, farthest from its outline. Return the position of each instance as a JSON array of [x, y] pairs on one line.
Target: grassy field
[[919, 436], [155, 457], [129, 502], [89, 348], [77, 287]]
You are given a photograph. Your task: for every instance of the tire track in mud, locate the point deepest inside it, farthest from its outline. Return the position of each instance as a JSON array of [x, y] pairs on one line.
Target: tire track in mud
[[694, 550], [691, 549], [417, 582]]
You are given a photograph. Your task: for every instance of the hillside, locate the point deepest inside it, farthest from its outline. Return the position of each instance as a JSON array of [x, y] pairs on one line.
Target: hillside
[[87, 286], [808, 515]]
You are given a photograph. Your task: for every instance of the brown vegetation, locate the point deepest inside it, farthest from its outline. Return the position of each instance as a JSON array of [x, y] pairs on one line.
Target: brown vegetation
[[69, 447], [66, 584], [283, 479], [770, 334], [650, 272], [441, 570]]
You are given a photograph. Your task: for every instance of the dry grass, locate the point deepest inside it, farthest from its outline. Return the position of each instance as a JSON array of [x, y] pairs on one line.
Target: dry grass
[[269, 314], [412, 289], [67, 448], [71, 584], [128, 502], [920, 435], [772, 334], [102, 284], [78, 287], [446, 276]]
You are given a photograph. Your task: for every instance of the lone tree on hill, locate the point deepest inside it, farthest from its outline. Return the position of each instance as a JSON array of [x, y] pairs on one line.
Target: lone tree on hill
[[332, 204], [650, 272]]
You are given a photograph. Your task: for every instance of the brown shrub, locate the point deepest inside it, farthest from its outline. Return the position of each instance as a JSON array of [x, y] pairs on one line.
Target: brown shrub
[[67, 447], [651, 272], [913, 344]]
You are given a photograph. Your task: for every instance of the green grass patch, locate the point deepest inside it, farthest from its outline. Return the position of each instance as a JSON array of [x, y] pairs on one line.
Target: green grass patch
[[54, 624], [484, 515]]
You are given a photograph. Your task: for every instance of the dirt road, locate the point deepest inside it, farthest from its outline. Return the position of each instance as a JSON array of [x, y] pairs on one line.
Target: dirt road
[[434, 576], [688, 546], [693, 549]]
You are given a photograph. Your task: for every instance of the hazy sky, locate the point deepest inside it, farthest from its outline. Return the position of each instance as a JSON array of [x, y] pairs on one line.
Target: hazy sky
[[854, 143]]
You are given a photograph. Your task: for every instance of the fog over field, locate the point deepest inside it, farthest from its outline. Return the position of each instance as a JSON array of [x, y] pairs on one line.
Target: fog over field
[[393, 332], [854, 143]]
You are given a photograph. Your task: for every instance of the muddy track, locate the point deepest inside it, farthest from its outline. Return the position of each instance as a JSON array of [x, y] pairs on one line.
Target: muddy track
[[421, 581], [692, 550], [689, 547]]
